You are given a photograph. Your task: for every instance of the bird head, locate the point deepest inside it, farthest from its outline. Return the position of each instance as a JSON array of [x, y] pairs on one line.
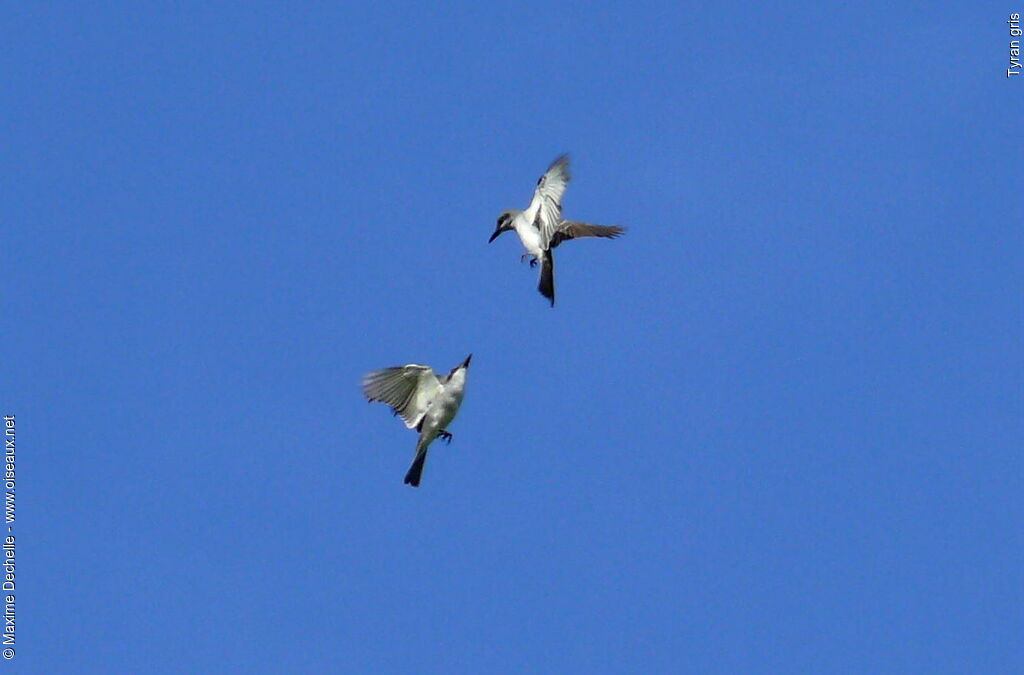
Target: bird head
[[458, 373], [464, 364], [504, 224]]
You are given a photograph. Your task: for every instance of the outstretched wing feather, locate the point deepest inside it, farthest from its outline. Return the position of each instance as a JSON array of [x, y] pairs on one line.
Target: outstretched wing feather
[[547, 198], [571, 229], [407, 389]]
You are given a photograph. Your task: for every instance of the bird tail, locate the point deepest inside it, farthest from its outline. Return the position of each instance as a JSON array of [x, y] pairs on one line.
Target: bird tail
[[547, 276], [412, 477]]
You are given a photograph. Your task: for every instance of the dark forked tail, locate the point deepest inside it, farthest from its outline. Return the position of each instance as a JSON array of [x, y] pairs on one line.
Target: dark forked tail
[[412, 477], [547, 276]]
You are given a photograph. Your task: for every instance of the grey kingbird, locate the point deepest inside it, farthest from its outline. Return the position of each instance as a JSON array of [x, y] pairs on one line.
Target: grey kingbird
[[541, 227], [426, 402]]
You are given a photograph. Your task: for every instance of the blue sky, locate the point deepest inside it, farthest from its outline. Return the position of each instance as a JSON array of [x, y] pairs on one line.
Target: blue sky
[[775, 428]]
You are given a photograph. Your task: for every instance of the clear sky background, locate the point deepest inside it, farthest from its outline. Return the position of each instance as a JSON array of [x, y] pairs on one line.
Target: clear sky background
[[777, 427]]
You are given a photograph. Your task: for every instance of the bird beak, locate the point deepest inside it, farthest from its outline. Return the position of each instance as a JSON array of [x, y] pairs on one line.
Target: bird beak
[[495, 235], [465, 364]]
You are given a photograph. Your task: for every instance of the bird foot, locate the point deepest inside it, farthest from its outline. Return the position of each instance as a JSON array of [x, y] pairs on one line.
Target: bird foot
[[445, 436], [533, 263]]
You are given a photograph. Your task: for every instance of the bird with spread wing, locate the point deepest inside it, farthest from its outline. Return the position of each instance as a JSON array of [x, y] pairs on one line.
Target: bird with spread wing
[[425, 401], [541, 227]]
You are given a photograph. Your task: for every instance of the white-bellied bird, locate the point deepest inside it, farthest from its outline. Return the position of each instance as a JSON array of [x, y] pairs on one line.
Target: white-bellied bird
[[541, 227], [425, 401]]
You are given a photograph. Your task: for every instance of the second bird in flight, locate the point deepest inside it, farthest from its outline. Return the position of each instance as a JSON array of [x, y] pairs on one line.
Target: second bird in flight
[[541, 227]]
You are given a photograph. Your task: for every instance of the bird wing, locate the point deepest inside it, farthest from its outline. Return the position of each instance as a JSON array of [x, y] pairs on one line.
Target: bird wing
[[409, 390], [570, 229], [547, 199]]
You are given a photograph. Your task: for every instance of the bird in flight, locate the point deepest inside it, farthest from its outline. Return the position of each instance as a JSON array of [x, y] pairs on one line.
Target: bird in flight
[[541, 227], [426, 402]]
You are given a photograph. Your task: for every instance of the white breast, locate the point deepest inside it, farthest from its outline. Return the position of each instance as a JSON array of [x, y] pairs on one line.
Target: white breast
[[528, 235]]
